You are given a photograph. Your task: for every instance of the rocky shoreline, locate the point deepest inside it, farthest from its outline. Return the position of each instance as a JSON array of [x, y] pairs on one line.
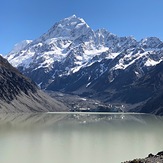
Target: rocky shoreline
[[158, 158]]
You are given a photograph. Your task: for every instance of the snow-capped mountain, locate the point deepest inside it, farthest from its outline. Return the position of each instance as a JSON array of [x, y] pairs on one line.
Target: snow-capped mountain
[[20, 46], [74, 58]]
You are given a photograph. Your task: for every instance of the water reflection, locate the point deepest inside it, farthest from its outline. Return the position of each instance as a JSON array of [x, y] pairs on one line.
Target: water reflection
[[43, 119], [31, 120], [75, 138]]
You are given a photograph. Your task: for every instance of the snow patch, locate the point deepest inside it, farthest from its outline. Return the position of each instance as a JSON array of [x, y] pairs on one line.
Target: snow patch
[[76, 69], [88, 84], [151, 62]]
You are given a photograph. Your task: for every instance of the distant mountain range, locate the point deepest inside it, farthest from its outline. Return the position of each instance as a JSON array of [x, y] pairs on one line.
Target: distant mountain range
[[19, 94], [73, 58]]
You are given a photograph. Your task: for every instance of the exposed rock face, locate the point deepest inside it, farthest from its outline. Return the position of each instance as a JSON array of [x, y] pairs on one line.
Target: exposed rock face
[[19, 94], [12, 82], [158, 158], [152, 83]]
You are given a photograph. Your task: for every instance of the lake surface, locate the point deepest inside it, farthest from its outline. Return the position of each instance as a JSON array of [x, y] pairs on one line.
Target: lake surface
[[78, 137]]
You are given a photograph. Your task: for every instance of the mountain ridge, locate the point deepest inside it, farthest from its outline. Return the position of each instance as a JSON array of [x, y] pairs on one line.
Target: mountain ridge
[[72, 58]]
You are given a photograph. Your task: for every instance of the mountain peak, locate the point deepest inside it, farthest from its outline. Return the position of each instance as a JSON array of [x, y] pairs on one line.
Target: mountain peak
[[19, 46], [71, 27], [150, 42], [72, 20], [71, 17]]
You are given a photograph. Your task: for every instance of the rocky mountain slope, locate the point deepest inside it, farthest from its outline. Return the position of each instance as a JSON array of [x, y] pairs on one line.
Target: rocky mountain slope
[[152, 84], [73, 58], [158, 158], [19, 94]]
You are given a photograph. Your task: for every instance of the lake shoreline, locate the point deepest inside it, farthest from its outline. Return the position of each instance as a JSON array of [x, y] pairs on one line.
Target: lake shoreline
[[158, 158]]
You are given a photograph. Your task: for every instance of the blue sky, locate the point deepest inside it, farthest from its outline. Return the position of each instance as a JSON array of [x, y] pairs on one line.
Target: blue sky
[[28, 19]]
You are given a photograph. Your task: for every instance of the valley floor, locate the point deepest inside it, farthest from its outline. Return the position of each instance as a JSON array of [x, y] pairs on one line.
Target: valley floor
[[77, 103]]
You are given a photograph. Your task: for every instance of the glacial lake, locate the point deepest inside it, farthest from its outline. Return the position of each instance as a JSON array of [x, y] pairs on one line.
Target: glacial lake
[[78, 137]]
